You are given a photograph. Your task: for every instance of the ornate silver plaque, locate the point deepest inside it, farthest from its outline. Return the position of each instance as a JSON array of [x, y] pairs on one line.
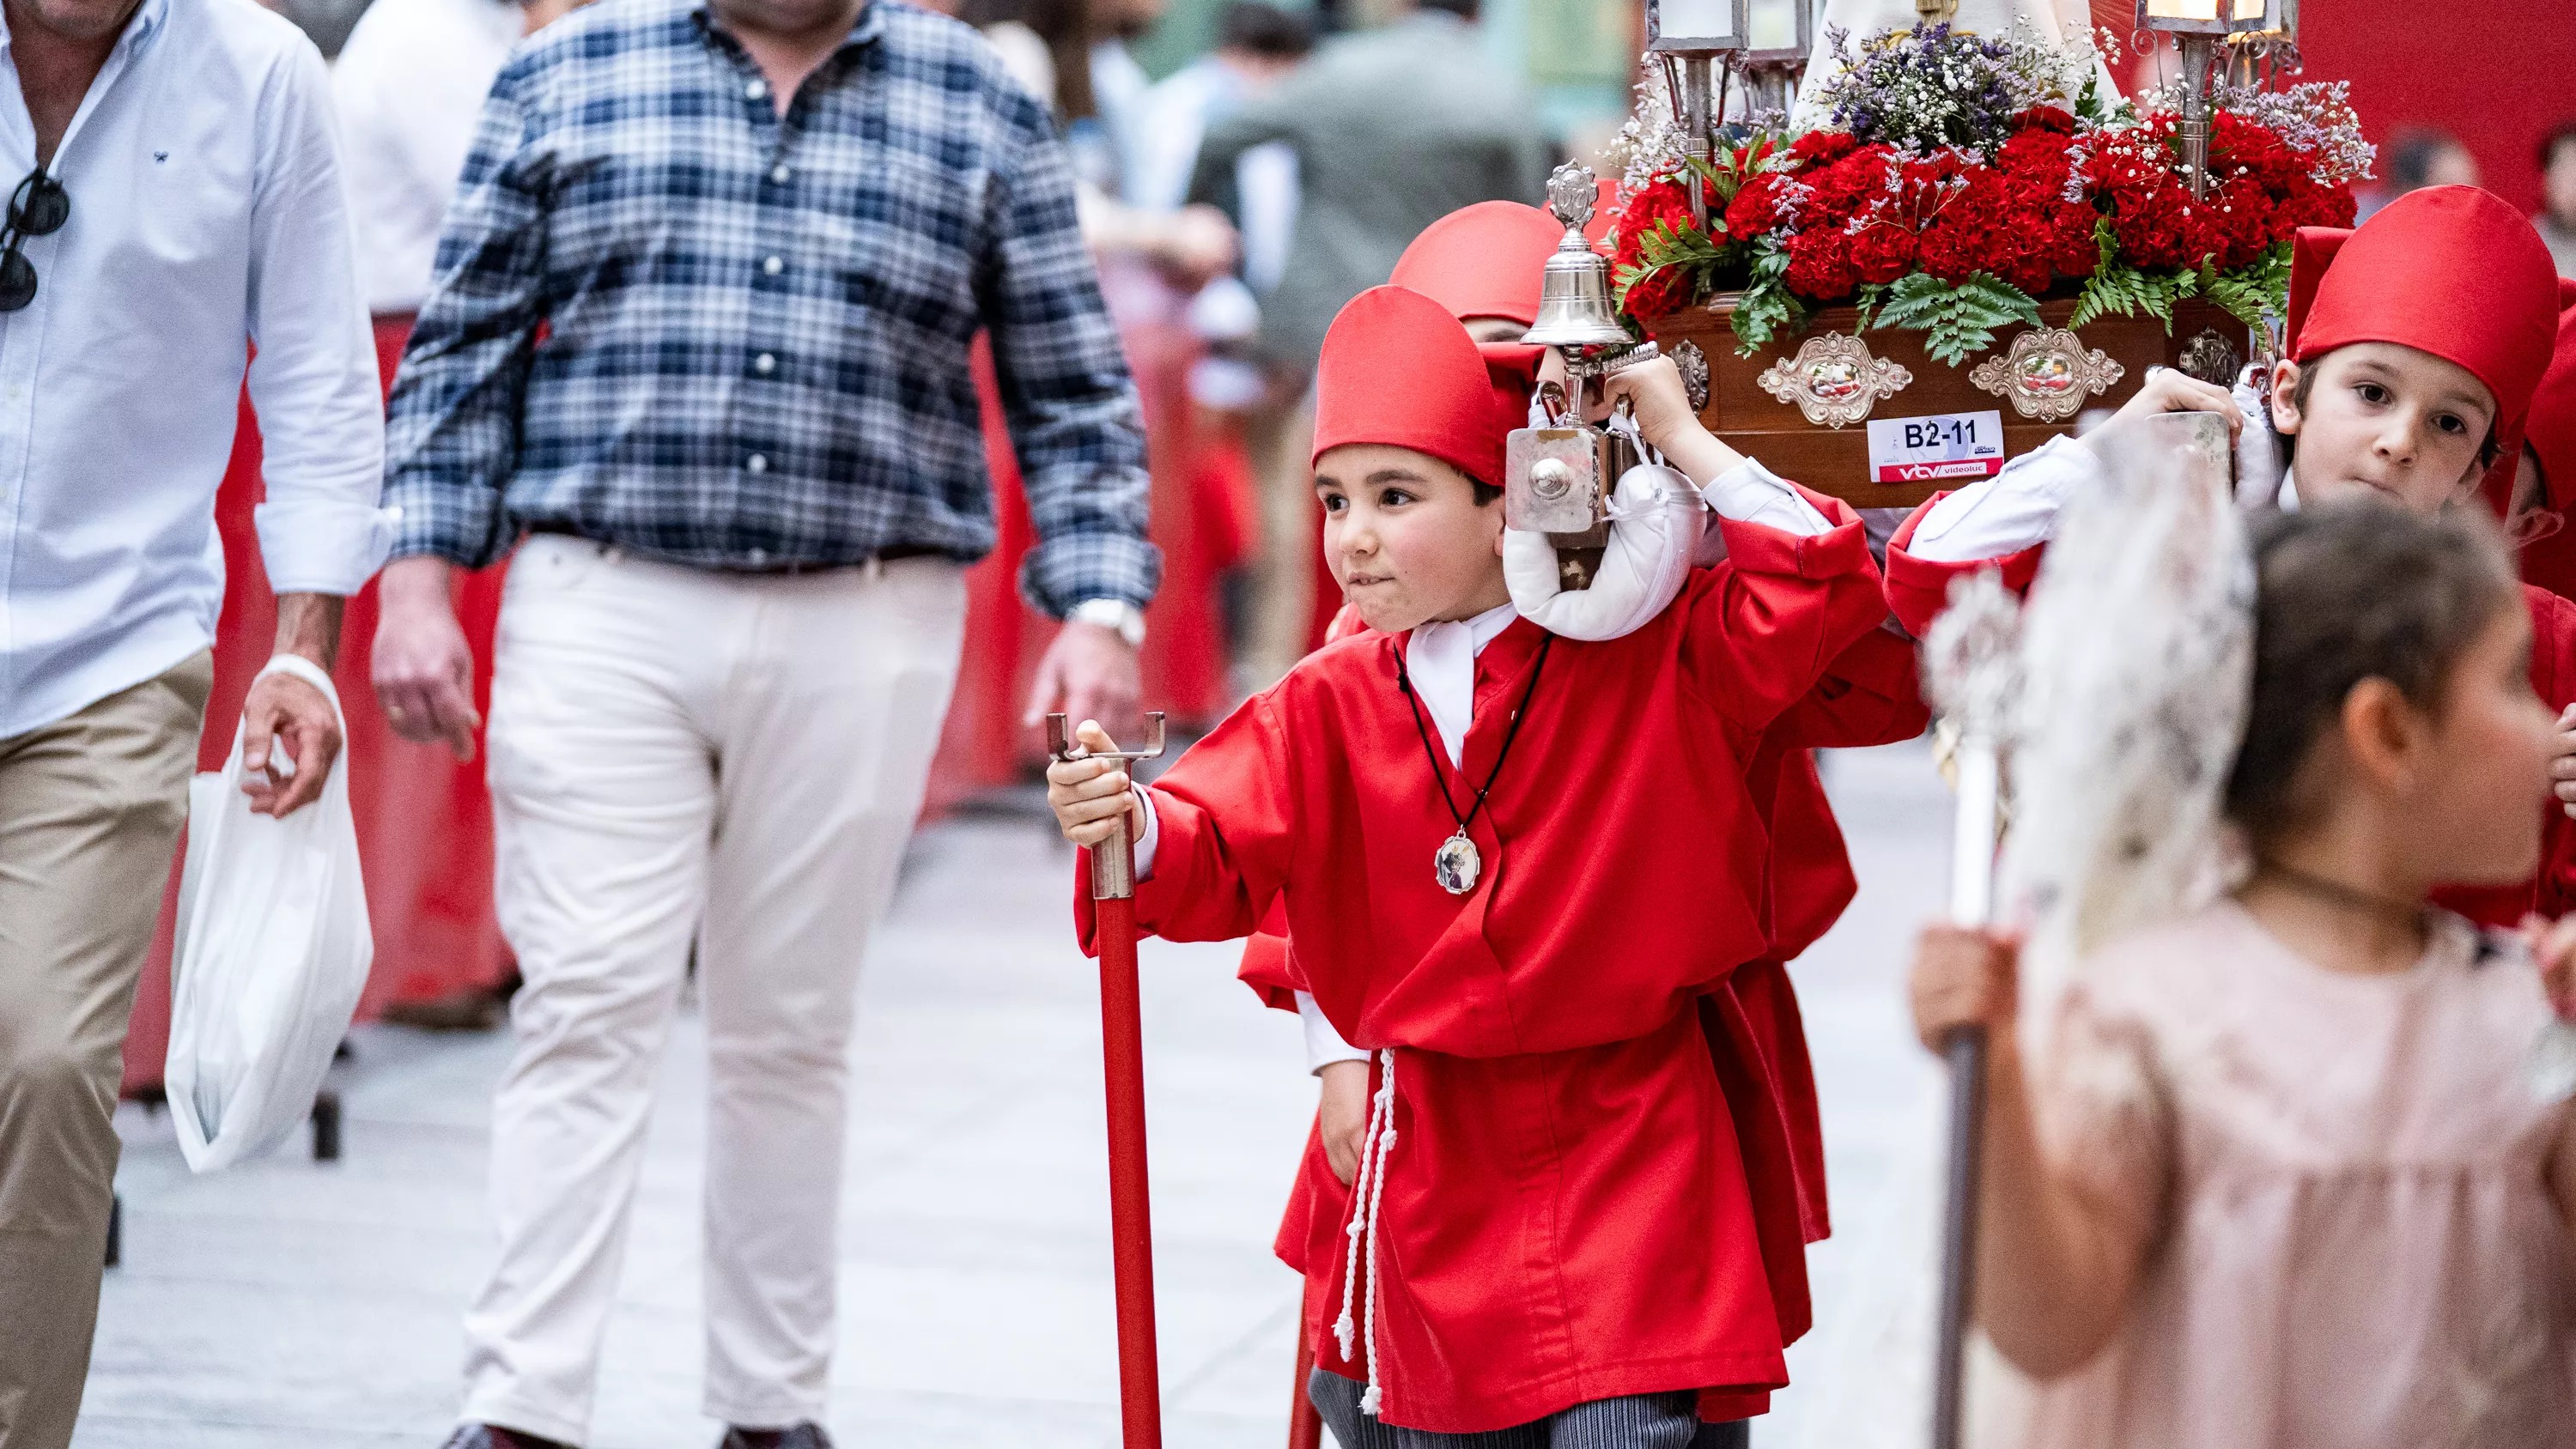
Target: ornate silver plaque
[[2049, 374], [1693, 364], [2210, 357], [1834, 380]]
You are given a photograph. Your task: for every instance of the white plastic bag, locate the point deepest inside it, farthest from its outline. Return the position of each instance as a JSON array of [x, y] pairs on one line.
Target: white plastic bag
[[271, 954]]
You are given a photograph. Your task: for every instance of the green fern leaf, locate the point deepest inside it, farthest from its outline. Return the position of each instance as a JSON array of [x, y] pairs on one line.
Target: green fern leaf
[[1871, 295], [2103, 294], [1916, 301], [1767, 305]]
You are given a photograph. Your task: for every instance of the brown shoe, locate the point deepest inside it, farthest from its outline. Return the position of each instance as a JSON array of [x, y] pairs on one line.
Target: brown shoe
[[491, 1436], [479, 1008], [803, 1436]]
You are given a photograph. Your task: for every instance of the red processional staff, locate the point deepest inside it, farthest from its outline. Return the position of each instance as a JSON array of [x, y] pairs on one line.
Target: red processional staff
[[1122, 1054]]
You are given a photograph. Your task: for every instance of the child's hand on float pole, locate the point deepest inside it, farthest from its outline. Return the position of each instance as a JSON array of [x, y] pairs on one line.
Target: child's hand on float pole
[[1964, 977], [2562, 768], [1653, 391], [1344, 1114], [2170, 390], [1093, 797]]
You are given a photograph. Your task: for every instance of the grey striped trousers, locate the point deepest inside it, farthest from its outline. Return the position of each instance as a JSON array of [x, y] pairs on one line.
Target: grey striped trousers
[[1640, 1421]]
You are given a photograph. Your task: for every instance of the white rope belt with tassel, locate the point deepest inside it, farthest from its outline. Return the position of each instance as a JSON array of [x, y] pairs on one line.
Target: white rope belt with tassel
[[1368, 1190]]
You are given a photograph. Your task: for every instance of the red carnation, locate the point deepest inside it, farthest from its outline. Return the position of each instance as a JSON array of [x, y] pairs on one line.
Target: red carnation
[[2310, 204], [1820, 264], [2232, 225], [2036, 159], [2073, 250], [1756, 207], [1966, 235], [1661, 204], [1658, 293], [1881, 252], [1954, 252], [1837, 191], [1820, 148], [2045, 119], [2149, 205]]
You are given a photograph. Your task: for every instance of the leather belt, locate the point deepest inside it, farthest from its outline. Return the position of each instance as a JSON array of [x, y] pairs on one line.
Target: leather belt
[[779, 568]]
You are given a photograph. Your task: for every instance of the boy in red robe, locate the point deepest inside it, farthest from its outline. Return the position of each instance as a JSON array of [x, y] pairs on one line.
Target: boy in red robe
[[2417, 343], [1513, 866], [1483, 263]]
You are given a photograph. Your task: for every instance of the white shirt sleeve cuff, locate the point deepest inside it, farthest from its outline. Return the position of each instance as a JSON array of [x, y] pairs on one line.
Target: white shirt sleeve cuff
[[1153, 836], [1324, 1046], [2014, 510], [1751, 493], [323, 546]]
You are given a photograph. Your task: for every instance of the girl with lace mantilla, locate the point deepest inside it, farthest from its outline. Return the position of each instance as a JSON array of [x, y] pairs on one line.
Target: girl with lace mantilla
[[2280, 1171]]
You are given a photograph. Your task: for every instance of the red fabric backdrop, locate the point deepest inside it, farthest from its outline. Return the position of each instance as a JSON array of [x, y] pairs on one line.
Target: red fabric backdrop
[[1201, 489], [424, 821]]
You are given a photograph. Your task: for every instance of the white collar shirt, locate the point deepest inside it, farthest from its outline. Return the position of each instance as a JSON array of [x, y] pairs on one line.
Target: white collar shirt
[[409, 86], [206, 218], [1440, 659]]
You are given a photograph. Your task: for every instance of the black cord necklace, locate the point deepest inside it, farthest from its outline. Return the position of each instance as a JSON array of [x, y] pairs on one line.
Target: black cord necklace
[[1457, 865]]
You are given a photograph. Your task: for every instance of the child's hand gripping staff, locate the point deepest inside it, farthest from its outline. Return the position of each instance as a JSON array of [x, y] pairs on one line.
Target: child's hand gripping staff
[[1088, 787]]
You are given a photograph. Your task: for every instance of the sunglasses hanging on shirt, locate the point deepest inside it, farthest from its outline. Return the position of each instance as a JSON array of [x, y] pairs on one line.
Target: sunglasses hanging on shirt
[[38, 207]]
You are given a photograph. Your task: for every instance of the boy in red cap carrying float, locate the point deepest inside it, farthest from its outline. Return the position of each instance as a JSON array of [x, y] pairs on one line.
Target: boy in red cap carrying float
[[1483, 263], [2417, 342], [1513, 865]]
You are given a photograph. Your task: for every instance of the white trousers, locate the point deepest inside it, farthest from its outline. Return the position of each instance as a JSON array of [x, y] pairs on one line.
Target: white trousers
[[680, 754]]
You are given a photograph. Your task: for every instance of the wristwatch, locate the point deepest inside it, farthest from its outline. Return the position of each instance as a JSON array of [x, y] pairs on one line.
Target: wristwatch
[[1118, 615]]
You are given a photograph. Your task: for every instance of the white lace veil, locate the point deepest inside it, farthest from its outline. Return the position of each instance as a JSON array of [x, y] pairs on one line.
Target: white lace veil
[[2137, 652]]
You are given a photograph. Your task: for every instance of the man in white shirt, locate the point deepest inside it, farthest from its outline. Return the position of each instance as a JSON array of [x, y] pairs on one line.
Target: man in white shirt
[[180, 202], [409, 88]]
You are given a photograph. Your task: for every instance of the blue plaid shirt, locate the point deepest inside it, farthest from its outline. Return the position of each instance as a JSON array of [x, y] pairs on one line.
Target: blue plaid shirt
[[756, 327]]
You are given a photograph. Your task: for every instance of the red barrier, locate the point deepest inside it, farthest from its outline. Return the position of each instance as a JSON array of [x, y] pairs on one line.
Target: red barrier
[[1198, 520], [424, 821]]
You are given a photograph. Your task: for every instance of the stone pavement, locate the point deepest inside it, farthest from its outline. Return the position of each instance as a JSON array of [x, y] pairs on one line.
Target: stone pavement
[[290, 1303]]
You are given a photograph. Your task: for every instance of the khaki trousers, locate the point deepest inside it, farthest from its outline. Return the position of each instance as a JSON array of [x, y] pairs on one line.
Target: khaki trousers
[[681, 755], [90, 810]]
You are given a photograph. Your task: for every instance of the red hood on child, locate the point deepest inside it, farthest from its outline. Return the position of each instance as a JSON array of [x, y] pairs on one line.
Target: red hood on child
[[1490, 260], [1398, 370], [2449, 270], [1484, 260], [2552, 432], [2549, 559]]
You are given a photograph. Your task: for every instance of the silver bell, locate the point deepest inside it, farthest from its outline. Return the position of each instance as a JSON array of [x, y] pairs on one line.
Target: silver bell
[[1574, 306]]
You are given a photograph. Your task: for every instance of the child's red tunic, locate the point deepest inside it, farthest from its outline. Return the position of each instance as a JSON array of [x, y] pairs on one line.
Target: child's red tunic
[[1565, 1215], [1869, 695]]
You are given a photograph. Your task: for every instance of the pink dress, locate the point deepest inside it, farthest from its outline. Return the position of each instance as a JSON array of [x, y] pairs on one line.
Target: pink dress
[[2342, 1179]]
